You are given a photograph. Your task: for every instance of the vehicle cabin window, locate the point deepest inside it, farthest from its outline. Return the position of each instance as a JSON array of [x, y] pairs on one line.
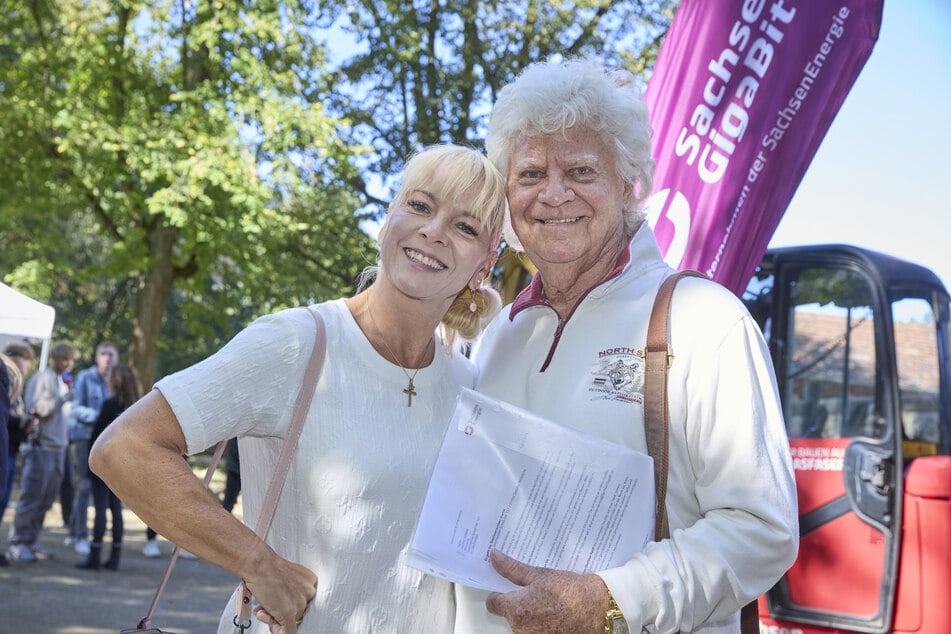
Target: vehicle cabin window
[[832, 375], [918, 372]]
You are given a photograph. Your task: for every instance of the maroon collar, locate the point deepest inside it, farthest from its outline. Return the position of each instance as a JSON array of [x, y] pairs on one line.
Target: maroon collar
[[534, 295]]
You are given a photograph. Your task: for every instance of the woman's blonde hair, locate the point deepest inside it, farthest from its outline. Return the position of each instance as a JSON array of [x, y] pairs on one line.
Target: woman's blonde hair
[[451, 172]]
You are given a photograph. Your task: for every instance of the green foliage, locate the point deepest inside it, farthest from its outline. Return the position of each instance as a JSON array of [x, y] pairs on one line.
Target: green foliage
[[429, 72], [171, 170], [167, 146]]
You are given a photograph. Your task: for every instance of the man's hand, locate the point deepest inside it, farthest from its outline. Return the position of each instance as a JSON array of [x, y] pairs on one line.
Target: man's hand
[[551, 601]]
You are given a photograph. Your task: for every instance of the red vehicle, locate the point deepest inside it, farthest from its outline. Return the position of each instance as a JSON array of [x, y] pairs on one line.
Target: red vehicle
[[860, 345]]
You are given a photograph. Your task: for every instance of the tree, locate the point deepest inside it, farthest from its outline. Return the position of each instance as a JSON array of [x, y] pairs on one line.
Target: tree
[[196, 163], [167, 147], [428, 72]]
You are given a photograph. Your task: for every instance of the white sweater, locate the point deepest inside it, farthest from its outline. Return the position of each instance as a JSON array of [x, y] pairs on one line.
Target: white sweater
[[731, 493]]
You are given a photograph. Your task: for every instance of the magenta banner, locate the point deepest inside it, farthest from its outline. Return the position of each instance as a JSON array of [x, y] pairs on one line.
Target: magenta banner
[[741, 96]]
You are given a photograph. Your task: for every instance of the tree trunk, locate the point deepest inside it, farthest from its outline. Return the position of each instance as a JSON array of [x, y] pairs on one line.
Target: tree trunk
[[155, 284]]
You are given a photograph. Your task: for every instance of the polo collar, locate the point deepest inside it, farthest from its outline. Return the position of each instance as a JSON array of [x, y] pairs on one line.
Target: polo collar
[[534, 293]]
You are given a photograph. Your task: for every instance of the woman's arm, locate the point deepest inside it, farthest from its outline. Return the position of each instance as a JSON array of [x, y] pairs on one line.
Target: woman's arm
[[140, 457]]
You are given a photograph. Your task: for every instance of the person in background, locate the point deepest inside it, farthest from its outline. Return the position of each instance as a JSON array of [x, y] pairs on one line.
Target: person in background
[[124, 387], [92, 390], [23, 356], [50, 397], [4, 436], [361, 467], [573, 141], [9, 389]]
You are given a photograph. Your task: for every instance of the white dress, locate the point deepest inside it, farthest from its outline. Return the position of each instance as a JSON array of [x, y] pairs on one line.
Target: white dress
[[359, 476]]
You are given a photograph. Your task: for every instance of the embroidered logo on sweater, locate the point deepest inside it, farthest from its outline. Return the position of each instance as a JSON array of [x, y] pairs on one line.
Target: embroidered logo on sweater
[[618, 375]]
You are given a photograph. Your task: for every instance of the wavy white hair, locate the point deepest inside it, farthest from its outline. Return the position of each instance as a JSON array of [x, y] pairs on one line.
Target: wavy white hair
[[551, 97]]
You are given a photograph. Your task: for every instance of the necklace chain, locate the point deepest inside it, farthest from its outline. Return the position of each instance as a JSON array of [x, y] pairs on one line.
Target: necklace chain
[[410, 389]]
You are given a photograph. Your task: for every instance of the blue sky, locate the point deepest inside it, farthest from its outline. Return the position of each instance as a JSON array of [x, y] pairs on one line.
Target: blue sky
[[882, 176]]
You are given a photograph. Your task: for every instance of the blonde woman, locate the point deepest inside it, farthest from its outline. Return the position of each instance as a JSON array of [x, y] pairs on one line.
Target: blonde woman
[[371, 437]]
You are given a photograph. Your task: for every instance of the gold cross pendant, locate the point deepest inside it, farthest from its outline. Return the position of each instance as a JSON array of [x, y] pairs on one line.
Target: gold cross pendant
[[410, 392]]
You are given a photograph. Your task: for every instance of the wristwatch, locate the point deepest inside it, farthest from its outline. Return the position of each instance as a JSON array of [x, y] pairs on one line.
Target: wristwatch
[[614, 621]]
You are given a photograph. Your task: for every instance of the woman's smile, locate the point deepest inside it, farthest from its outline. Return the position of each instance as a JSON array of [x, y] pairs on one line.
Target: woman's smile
[[421, 258]]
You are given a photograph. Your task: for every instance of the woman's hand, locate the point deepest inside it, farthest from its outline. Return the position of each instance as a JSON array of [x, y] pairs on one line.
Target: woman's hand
[[283, 595]]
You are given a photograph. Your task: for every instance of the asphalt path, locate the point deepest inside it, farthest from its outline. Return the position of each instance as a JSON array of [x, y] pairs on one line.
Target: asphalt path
[[54, 597]]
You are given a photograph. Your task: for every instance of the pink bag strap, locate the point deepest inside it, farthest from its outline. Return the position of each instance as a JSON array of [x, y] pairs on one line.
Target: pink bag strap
[[146, 622], [242, 619]]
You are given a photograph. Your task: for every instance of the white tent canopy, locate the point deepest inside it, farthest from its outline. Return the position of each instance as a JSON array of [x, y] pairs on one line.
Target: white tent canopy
[[24, 317]]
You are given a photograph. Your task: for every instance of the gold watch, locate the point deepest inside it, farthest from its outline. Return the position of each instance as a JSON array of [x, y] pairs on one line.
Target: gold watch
[[614, 622]]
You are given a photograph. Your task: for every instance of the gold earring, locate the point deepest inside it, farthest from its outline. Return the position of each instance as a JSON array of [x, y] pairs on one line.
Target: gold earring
[[472, 303]]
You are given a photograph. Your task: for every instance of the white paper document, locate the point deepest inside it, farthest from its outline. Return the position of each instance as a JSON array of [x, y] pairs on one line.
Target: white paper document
[[543, 493]]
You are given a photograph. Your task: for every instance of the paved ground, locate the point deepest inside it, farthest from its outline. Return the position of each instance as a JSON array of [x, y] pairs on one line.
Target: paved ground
[[54, 597]]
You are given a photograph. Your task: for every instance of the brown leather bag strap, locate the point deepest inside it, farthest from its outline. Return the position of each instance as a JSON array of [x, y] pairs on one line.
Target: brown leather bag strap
[[749, 618], [658, 358]]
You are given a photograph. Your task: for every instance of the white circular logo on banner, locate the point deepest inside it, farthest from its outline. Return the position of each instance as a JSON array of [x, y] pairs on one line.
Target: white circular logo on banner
[[676, 209]]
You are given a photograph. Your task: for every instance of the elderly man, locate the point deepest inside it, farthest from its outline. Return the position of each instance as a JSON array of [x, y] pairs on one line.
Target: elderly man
[[573, 140]]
